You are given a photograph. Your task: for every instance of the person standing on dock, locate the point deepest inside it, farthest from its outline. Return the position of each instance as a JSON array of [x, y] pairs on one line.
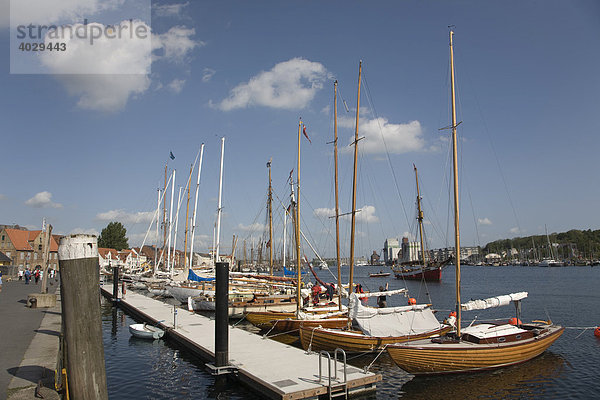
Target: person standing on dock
[[27, 276]]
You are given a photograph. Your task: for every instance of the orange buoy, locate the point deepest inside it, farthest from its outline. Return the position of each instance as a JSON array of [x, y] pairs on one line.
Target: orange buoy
[[412, 301], [597, 332], [514, 321], [452, 314]]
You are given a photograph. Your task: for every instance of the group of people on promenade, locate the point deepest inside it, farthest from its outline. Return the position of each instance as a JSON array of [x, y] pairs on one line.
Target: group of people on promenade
[[35, 275]]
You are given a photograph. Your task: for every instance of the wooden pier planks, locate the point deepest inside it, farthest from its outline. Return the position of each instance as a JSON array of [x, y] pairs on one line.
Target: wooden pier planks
[[277, 370]]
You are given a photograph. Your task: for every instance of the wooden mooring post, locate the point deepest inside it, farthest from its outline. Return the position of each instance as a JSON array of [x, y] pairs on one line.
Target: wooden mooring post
[[82, 324], [115, 297]]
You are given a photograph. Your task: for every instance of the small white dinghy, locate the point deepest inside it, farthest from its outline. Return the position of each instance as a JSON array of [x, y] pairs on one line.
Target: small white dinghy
[[145, 331]]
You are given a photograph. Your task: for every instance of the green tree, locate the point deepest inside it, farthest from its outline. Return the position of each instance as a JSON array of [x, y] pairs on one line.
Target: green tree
[[114, 236]]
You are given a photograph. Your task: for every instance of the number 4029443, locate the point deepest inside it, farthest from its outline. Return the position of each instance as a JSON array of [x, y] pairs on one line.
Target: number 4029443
[[24, 46]]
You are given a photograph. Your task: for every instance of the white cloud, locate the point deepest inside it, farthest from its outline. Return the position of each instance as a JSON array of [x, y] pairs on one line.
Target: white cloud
[[125, 217], [381, 135], [366, 214], [324, 212], [408, 235], [207, 74], [88, 51], [176, 85], [325, 110], [105, 92], [170, 10], [255, 227], [289, 85], [86, 231], [484, 221], [117, 70], [514, 230], [175, 44], [42, 200]]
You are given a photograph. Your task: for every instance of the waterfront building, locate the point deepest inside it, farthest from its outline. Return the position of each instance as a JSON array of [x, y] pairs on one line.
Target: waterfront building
[[374, 258], [391, 250], [411, 251], [25, 248]]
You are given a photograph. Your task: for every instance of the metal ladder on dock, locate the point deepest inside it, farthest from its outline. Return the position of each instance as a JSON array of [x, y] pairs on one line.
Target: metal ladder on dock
[[335, 388]]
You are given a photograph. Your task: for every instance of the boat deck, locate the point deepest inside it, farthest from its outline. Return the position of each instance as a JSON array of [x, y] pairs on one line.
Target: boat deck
[[276, 370]]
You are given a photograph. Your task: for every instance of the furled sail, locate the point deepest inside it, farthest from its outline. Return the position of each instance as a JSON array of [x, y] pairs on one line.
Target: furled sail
[[491, 302], [392, 321]]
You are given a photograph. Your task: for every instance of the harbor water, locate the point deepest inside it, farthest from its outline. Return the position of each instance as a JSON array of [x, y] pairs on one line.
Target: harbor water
[[569, 296]]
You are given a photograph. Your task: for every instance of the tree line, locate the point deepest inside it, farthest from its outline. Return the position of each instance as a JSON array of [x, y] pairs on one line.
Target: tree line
[[584, 243]]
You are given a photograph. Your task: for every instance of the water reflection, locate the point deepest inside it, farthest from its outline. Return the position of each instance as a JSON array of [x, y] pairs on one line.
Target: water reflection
[[529, 380]]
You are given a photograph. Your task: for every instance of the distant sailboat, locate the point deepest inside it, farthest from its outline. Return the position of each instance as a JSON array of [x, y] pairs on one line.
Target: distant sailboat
[[424, 270]]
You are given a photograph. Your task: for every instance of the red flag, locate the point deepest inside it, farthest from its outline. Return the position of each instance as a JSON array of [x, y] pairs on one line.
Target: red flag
[[304, 132]]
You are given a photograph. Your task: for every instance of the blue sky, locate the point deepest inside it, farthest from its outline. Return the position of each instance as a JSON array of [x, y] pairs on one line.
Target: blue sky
[[83, 150]]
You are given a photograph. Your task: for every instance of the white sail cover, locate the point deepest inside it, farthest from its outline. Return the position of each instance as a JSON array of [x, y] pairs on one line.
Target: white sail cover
[[491, 302], [392, 321]]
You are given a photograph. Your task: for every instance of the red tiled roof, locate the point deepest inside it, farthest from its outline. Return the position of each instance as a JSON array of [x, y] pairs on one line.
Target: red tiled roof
[[19, 239], [103, 252]]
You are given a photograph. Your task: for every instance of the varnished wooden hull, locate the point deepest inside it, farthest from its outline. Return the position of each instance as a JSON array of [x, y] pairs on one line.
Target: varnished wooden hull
[[287, 321], [354, 341], [292, 326], [264, 320], [425, 357]]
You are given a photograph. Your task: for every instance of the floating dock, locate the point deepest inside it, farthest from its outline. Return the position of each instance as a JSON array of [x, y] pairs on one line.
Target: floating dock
[[274, 369]]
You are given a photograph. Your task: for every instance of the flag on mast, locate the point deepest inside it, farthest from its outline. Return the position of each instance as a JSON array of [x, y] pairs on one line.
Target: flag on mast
[[305, 135]]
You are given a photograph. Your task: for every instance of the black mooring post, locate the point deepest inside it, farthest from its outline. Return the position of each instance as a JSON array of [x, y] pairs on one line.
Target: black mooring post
[[115, 284], [222, 315]]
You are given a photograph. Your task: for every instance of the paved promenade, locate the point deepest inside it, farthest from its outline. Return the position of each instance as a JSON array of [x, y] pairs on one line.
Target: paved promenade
[[29, 339]]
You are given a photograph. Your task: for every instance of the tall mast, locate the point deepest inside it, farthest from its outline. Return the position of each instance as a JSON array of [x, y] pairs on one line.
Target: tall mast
[[187, 212], [171, 222], [219, 208], [455, 164], [175, 258], [350, 284], [164, 224], [420, 217], [298, 296], [337, 206], [157, 234], [285, 212], [270, 221], [196, 207], [245, 260]]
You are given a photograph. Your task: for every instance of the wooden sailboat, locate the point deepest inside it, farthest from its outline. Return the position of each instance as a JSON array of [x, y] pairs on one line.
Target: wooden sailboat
[[424, 270], [479, 346], [378, 327]]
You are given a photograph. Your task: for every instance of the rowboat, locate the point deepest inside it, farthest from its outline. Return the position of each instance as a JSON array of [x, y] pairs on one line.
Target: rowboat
[[379, 275], [145, 331]]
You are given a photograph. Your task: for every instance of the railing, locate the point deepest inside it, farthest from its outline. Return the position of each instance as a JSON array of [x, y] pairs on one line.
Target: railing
[[337, 388]]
